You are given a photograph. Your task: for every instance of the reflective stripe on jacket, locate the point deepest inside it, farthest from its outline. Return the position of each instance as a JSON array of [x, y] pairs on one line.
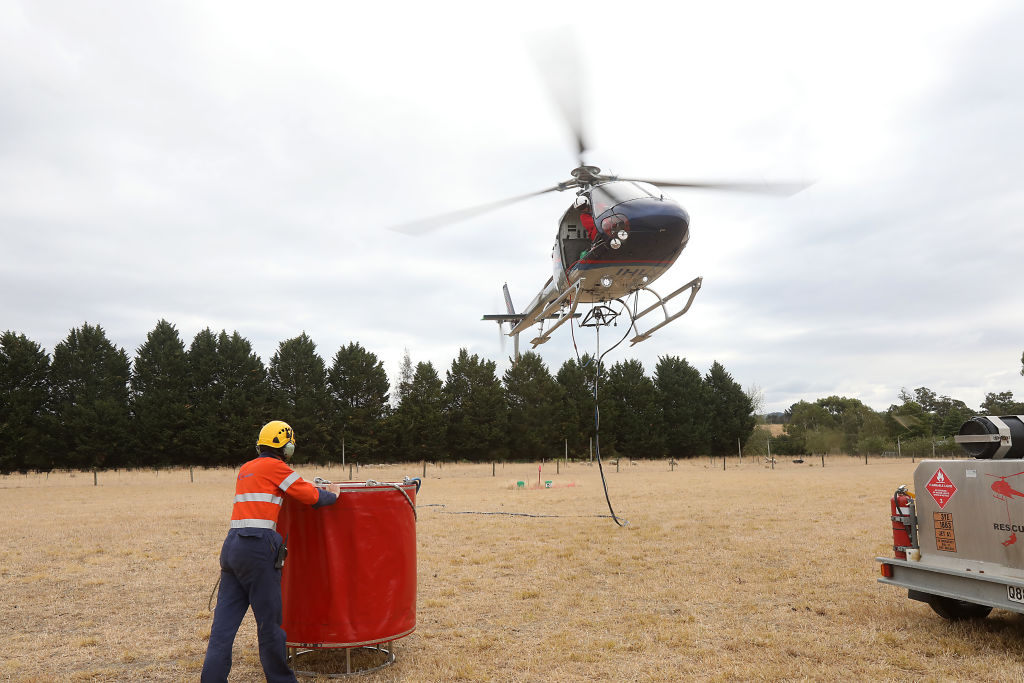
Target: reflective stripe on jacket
[[260, 489]]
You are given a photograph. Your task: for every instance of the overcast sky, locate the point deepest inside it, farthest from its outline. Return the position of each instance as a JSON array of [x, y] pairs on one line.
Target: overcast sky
[[236, 165]]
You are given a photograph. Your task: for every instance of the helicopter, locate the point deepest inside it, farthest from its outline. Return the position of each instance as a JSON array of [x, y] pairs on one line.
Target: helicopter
[[1003, 490], [615, 240], [617, 237]]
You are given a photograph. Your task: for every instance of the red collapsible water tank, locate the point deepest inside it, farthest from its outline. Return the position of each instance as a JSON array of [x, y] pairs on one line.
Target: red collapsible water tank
[[350, 576]]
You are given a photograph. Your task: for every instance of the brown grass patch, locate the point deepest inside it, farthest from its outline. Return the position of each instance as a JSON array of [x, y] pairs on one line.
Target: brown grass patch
[[748, 573], [774, 430]]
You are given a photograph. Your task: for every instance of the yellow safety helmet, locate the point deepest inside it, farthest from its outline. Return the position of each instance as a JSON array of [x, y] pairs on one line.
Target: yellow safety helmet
[[277, 434]]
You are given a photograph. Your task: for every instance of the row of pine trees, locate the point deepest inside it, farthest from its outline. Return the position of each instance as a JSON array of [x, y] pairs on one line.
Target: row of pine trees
[[90, 406]]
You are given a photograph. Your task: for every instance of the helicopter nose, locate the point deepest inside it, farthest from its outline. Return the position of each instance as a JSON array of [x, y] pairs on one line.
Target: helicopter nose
[[644, 221]]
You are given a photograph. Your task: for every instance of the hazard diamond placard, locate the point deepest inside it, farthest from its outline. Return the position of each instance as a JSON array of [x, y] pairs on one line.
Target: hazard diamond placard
[[941, 488]]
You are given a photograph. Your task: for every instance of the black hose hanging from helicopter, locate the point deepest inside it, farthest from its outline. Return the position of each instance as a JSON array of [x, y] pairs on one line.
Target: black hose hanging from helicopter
[[622, 522]]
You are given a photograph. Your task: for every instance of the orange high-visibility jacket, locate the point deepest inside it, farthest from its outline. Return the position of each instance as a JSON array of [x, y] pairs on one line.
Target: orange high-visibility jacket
[[259, 492]]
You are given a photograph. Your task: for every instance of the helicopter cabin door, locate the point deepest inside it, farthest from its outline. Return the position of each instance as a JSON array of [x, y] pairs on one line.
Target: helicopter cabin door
[[573, 241]]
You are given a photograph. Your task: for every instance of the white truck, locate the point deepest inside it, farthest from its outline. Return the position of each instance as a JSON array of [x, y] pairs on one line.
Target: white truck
[[959, 542]]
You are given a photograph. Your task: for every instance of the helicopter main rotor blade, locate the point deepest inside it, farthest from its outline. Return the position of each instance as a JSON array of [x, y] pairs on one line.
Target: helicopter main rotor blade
[[557, 56], [430, 224], [784, 189]]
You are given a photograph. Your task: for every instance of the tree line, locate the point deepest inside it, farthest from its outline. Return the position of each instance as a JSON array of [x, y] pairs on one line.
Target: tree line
[[91, 406], [922, 422]]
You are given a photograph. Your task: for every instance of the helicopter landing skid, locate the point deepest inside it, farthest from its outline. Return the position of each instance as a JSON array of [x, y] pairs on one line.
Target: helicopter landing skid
[[568, 297], [694, 287]]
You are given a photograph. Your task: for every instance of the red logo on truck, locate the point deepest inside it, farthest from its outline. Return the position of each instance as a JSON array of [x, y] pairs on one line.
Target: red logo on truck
[[941, 488]]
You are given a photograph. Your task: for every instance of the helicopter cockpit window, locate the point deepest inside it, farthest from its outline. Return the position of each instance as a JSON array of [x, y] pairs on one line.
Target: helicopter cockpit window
[[651, 190], [608, 195]]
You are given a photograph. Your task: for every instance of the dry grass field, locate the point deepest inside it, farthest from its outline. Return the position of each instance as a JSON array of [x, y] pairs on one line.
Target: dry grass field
[[749, 573]]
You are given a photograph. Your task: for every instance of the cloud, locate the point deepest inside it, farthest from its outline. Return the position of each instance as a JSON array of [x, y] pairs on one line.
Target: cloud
[[237, 166]]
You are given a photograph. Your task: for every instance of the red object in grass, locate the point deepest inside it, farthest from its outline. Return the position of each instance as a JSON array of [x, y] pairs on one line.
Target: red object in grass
[[350, 576]]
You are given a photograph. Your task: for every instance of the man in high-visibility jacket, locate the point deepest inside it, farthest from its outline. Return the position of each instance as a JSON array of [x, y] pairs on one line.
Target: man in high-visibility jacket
[[250, 572]]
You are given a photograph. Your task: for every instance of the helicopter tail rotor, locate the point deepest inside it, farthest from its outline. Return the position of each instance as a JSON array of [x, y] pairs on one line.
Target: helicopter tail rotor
[[511, 311], [512, 318], [508, 300]]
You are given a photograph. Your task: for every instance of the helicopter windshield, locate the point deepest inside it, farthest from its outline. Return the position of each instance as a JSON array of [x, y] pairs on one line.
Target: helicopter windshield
[[608, 195]]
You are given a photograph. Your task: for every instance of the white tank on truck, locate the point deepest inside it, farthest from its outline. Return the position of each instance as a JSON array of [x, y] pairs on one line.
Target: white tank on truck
[[958, 540]]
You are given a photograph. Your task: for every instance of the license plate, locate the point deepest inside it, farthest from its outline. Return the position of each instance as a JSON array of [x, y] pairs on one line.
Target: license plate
[[1015, 593]]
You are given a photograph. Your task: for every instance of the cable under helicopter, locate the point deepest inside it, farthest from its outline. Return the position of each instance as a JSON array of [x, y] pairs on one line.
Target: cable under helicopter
[[602, 315]]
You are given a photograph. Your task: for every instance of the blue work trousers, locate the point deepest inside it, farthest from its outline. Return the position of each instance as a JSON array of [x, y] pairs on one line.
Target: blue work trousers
[[248, 578]]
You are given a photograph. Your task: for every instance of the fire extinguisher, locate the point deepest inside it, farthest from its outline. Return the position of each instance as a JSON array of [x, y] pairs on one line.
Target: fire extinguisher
[[904, 520]]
